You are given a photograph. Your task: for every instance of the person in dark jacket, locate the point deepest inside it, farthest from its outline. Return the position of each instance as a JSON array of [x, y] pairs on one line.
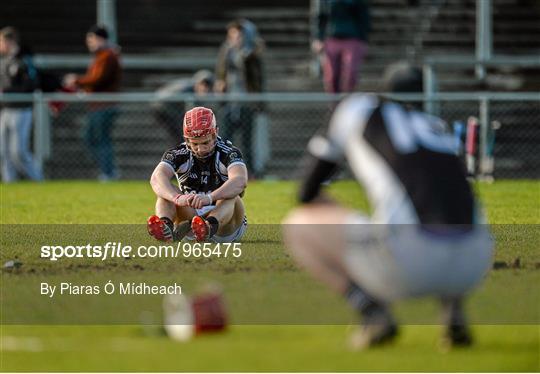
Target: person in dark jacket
[[239, 70], [341, 32], [17, 75]]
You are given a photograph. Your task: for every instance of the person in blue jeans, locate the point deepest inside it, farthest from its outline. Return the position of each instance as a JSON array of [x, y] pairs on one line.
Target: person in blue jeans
[[17, 75], [97, 137]]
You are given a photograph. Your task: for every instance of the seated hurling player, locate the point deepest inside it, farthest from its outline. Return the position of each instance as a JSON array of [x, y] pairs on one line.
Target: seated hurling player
[[212, 176], [423, 237]]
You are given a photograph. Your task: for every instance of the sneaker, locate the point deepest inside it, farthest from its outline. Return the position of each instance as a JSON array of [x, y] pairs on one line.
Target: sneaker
[[200, 228], [456, 336], [159, 229], [181, 230], [378, 329], [457, 333]]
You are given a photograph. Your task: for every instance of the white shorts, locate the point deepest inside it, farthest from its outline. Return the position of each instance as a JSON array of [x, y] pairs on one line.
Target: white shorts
[[205, 209], [397, 261], [236, 235]]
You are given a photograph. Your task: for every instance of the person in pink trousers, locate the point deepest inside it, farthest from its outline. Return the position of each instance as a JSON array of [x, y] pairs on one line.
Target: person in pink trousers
[[341, 34]]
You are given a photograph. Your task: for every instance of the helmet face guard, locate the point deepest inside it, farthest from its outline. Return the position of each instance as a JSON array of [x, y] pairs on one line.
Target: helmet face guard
[[200, 122]]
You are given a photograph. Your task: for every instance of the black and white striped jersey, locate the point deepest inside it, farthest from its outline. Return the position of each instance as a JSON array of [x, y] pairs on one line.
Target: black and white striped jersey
[[202, 176], [405, 159]]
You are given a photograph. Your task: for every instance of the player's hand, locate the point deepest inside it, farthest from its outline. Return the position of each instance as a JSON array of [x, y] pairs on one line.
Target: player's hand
[[220, 86], [183, 200], [69, 81], [201, 200]]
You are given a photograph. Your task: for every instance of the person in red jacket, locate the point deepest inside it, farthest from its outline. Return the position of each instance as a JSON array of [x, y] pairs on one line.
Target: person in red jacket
[[103, 75]]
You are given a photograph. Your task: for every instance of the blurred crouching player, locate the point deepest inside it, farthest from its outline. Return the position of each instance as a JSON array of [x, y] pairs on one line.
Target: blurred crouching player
[[212, 177], [424, 237]]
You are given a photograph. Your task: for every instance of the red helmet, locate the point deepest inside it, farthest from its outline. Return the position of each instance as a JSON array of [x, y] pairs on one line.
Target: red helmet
[[198, 122]]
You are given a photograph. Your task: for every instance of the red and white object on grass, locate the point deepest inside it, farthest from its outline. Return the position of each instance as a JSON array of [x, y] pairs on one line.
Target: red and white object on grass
[[471, 141], [186, 317]]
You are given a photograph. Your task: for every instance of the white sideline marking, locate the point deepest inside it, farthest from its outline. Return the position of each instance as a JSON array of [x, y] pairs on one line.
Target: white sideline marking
[[121, 344], [27, 344], [35, 344]]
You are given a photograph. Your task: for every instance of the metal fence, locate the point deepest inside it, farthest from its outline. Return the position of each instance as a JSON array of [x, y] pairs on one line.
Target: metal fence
[[272, 130]]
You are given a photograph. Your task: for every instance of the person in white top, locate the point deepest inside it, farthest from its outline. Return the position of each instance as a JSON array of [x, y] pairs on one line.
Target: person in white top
[[425, 235]]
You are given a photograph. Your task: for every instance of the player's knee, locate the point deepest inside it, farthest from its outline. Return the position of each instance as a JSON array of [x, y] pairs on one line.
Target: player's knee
[[297, 216], [233, 200], [296, 244], [239, 211], [161, 200], [184, 214], [234, 203], [294, 230], [238, 202], [164, 205], [223, 202]]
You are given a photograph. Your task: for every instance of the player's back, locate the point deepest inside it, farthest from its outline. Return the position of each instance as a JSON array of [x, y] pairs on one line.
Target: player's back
[[405, 159]]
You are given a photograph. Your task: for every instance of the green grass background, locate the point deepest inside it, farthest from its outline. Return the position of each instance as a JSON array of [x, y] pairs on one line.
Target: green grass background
[[505, 202], [514, 206]]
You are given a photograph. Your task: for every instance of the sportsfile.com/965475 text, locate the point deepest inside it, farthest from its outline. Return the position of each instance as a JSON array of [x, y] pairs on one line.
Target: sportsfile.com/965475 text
[[112, 250]]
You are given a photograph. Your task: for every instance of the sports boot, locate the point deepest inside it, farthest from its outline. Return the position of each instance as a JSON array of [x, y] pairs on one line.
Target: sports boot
[[457, 333], [200, 228], [181, 230], [159, 229], [376, 329]]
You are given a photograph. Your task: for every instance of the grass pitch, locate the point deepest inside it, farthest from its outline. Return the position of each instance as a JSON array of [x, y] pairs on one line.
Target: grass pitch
[[513, 206]]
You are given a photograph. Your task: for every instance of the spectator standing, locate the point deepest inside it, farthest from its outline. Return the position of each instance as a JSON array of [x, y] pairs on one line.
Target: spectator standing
[[170, 114], [17, 75], [239, 70], [341, 32], [103, 75]]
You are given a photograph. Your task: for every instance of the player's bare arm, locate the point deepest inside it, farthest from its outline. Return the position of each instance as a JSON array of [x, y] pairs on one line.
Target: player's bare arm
[[233, 187], [162, 186], [237, 183], [320, 168], [161, 182]]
